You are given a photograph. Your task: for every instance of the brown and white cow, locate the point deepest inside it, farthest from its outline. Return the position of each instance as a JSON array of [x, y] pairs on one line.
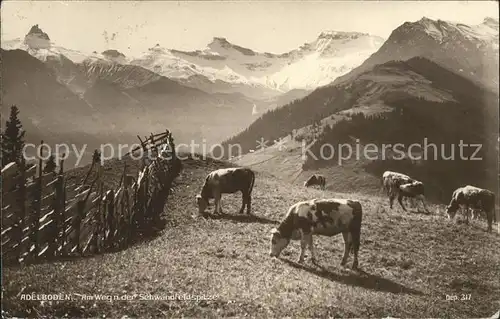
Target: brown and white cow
[[316, 179], [401, 186], [474, 198], [327, 217], [227, 181]]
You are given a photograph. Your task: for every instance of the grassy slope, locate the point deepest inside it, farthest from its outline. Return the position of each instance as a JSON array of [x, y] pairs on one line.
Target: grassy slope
[[286, 164], [409, 262]]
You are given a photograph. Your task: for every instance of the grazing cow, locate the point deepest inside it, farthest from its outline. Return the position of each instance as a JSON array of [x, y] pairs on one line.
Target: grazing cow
[[316, 179], [227, 181], [477, 199], [327, 217], [401, 186], [414, 190]]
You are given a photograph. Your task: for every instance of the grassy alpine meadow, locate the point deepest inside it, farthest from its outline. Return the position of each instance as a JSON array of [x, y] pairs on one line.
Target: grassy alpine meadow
[[412, 265]]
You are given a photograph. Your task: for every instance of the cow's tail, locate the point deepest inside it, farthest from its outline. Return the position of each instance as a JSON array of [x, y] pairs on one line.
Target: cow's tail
[[252, 182], [494, 208], [384, 187]]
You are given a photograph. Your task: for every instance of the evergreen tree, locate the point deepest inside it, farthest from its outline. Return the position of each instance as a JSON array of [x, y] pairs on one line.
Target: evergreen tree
[[12, 138], [50, 165], [96, 157]]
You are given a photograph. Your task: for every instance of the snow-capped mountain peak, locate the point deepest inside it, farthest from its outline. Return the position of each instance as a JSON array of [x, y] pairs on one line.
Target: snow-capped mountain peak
[[463, 48], [223, 47], [340, 35], [491, 22], [331, 54], [37, 43], [114, 55], [37, 39], [486, 32], [158, 49], [220, 41], [315, 63]]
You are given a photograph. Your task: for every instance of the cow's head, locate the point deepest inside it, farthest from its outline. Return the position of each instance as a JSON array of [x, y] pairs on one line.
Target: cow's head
[[310, 181], [202, 203], [278, 243], [451, 210], [414, 189]]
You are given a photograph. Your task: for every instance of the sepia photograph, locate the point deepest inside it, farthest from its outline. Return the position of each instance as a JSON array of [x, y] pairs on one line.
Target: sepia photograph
[[261, 159]]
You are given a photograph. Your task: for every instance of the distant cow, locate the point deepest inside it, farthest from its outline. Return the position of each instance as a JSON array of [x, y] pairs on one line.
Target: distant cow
[[401, 186], [227, 181], [477, 199], [327, 217], [316, 179]]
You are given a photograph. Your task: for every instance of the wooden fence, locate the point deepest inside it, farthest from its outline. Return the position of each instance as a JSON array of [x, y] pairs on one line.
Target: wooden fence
[[44, 217]]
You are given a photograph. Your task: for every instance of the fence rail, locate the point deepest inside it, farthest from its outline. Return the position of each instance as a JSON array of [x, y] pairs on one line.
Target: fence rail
[[45, 217]]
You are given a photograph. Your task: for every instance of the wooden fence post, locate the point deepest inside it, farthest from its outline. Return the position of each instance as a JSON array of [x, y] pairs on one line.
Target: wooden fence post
[[62, 207], [58, 216], [80, 216], [53, 227], [37, 207], [99, 227], [128, 214], [18, 227], [123, 228], [145, 192], [77, 220], [110, 209]]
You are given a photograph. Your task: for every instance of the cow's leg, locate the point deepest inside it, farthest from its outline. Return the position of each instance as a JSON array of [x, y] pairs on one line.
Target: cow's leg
[[409, 201], [347, 246], [467, 212], [473, 214], [476, 211], [400, 201], [243, 202], [221, 211], [391, 200], [304, 241], [356, 238], [489, 215], [217, 200], [422, 199], [249, 203], [311, 248]]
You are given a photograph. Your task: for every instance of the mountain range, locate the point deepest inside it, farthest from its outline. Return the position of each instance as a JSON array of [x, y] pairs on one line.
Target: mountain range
[[311, 65], [471, 50], [218, 91], [430, 80], [470, 53]]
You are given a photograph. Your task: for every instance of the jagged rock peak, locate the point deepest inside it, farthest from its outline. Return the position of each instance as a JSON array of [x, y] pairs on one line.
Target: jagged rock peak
[[157, 49], [113, 53], [425, 19], [340, 35], [491, 22], [35, 30], [220, 39], [37, 39]]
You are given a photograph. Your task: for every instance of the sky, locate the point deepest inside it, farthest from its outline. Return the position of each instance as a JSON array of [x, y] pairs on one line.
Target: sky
[[278, 26]]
